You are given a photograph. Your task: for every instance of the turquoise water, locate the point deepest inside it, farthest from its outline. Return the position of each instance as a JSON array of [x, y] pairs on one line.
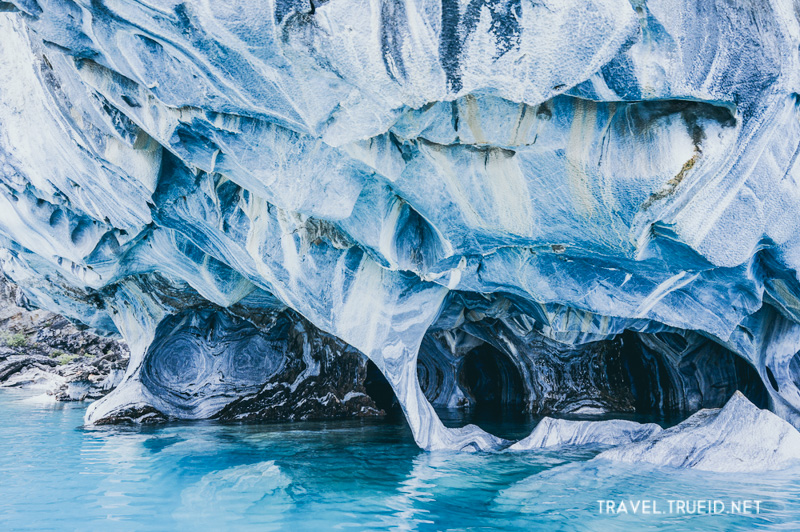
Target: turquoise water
[[57, 475]]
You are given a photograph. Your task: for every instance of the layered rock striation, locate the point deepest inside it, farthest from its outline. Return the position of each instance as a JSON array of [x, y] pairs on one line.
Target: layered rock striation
[[559, 206], [551, 432], [43, 351]]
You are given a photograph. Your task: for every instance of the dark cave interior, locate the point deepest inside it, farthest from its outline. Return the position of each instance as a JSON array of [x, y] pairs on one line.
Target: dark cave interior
[[663, 377]]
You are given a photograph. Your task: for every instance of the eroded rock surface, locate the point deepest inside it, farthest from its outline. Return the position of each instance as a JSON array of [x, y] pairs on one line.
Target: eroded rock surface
[[539, 182], [736, 438], [555, 432], [207, 363]]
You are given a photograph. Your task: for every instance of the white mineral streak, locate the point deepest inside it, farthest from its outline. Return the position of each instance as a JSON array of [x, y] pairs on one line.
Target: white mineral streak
[[555, 432]]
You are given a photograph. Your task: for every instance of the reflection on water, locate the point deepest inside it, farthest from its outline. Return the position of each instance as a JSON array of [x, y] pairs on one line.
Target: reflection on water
[[239, 494], [346, 475]]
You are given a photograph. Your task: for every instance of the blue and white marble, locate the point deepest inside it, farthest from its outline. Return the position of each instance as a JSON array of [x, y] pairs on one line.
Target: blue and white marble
[[736, 438], [551, 432], [377, 167]]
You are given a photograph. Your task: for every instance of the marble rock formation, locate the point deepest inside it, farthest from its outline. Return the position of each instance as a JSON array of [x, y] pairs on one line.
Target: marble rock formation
[[557, 206], [739, 437], [211, 363], [556, 432]]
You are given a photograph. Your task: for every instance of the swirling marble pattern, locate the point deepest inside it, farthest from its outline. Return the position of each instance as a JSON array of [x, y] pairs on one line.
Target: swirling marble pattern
[[210, 362], [199, 360]]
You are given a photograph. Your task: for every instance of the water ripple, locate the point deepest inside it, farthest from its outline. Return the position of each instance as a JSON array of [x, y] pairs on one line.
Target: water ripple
[[354, 475]]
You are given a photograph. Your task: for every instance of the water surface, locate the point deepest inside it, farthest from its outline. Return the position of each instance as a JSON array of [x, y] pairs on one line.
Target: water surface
[[359, 475]]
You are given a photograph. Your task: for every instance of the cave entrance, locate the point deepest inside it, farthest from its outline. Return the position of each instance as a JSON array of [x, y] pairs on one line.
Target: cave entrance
[[492, 381], [672, 376], [379, 389]]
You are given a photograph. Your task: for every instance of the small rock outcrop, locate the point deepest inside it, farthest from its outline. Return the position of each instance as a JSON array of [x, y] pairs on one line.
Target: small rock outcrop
[[44, 351], [739, 437], [555, 432]]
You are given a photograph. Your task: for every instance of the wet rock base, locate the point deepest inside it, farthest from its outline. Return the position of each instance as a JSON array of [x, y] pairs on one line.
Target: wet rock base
[[44, 351]]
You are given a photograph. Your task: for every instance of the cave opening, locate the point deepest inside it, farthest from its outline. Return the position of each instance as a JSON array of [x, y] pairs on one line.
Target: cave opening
[[672, 375], [496, 396], [492, 381], [379, 389], [663, 377]]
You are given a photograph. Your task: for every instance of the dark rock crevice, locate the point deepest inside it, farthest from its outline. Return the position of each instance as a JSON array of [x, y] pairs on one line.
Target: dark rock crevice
[[491, 380], [676, 374]]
